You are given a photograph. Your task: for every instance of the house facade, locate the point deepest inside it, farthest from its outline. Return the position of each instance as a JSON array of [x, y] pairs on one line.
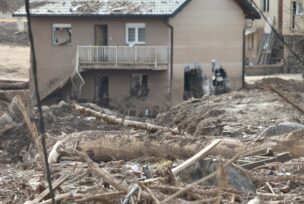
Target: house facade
[[261, 43], [136, 55]]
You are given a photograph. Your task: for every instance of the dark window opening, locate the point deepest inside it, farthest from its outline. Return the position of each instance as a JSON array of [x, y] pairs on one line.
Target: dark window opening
[[193, 81], [265, 5], [139, 85], [102, 91], [294, 12]]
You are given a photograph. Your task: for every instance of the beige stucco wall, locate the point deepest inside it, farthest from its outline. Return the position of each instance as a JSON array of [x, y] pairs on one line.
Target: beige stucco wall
[[207, 30], [119, 90], [57, 62]]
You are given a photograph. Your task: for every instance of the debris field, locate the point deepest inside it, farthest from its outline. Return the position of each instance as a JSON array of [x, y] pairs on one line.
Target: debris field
[[239, 147]]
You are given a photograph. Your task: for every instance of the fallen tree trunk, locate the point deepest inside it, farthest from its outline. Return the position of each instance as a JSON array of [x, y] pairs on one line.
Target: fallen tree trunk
[[102, 146], [122, 121], [14, 85]]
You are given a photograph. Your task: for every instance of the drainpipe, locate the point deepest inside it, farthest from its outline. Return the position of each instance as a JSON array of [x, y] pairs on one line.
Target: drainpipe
[[244, 56], [166, 21]]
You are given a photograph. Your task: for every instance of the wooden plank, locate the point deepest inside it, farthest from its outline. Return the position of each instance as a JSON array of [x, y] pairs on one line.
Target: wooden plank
[[196, 157], [56, 184], [282, 157]]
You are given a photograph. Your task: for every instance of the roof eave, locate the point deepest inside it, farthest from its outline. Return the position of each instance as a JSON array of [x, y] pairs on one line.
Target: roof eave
[[97, 15]]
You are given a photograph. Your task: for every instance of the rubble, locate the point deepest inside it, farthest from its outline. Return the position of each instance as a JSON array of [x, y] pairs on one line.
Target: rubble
[[240, 147]]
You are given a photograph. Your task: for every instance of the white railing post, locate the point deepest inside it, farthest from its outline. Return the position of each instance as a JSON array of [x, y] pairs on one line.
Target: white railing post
[[155, 53], [116, 53], [97, 60], [135, 55]]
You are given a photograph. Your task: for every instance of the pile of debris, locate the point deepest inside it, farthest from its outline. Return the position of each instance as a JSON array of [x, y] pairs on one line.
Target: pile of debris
[[99, 156]]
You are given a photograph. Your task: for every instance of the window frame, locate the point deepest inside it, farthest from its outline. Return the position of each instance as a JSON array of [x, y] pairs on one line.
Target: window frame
[[136, 26], [265, 5], [60, 25], [298, 13]]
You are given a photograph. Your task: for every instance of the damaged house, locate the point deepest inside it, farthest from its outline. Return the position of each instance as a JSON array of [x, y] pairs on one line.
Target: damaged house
[[136, 55]]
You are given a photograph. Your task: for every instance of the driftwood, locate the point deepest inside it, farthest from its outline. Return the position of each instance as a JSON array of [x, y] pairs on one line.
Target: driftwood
[[196, 157], [32, 129], [105, 147], [121, 121], [282, 157], [42, 195], [13, 85], [106, 176]]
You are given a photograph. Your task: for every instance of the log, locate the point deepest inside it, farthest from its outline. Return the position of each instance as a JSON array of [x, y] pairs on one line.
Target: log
[[32, 129], [103, 146], [121, 121], [14, 85]]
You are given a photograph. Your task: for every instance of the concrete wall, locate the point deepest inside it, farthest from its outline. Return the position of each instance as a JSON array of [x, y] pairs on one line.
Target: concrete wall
[[55, 63], [206, 30]]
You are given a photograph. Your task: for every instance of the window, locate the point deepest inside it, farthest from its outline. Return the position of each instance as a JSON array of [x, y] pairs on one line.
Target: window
[[299, 8], [265, 5], [62, 34], [251, 41], [139, 85], [135, 33]]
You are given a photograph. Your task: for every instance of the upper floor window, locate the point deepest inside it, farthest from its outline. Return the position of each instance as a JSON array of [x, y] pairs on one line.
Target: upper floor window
[[62, 34], [135, 33], [299, 8], [265, 5]]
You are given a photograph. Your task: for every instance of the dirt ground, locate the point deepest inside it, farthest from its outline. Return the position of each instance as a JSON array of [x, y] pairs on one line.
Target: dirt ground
[[14, 62]]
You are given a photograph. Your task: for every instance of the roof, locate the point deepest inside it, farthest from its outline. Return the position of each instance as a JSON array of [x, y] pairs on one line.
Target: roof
[[118, 8], [101, 8]]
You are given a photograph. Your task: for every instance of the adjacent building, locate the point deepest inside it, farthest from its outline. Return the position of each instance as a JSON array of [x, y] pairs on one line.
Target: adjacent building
[[262, 45], [135, 55]]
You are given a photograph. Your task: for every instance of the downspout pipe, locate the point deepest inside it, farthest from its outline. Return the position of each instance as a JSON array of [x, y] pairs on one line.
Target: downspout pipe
[[166, 22], [243, 57]]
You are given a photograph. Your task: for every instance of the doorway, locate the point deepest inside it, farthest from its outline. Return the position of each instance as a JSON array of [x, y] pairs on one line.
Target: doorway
[[101, 35], [102, 91], [193, 82]]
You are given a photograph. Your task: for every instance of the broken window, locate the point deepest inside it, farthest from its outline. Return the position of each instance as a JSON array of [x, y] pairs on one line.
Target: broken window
[[62, 34], [135, 33], [139, 85]]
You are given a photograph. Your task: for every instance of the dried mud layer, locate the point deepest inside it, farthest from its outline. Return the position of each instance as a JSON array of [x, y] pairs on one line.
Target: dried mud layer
[[242, 114]]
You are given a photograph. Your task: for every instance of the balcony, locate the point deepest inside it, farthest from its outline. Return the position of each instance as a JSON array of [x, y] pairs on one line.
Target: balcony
[[123, 57]]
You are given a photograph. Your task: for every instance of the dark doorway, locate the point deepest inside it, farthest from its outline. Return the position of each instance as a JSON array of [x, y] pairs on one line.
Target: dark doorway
[[102, 91], [193, 81], [101, 35]]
